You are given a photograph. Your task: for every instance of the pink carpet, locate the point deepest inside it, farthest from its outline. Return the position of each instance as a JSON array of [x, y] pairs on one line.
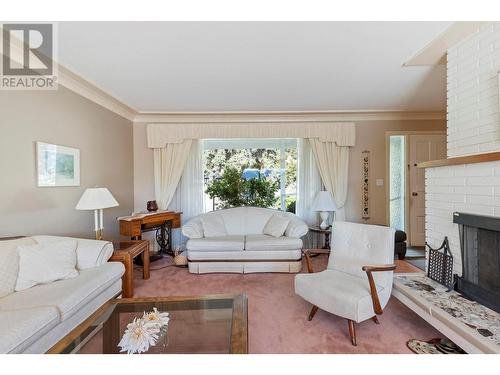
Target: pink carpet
[[277, 317]]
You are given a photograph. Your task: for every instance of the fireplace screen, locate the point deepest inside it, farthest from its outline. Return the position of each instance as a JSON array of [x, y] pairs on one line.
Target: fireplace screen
[[480, 250], [440, 265]]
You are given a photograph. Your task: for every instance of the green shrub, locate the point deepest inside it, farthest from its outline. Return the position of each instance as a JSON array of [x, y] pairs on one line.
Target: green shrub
[[233, 191], [290, 204]]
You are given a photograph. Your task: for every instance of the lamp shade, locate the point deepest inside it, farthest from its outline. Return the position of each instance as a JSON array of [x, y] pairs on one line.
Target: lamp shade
[[96, 199], [323, 201]]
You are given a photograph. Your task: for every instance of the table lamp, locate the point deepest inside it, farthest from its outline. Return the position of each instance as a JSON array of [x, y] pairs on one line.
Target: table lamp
[[323, 202], [96, 199]]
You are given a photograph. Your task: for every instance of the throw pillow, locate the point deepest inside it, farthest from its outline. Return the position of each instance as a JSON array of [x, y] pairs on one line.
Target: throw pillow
[[213, 225], [276, 225], [45, 263], [89, 253], [9, 264]]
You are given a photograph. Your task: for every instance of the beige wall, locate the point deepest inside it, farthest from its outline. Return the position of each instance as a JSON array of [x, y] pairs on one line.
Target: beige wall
[[144, 188], [65, 118], [370, 135]]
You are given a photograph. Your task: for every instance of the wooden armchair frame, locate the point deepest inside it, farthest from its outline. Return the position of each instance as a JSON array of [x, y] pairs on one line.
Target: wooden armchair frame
[[309, 252]]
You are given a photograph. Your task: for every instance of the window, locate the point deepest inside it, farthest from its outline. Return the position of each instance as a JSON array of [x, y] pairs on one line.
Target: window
[[259, 172], [397, 182]]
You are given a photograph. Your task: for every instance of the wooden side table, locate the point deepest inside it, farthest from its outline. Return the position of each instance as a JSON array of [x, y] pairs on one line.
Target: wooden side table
[[325, 232], [125, 252]]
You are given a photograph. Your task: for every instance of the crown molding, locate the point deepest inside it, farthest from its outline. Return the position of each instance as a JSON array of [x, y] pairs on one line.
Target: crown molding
[[434, 53], [78, 84], [285, 116], [84, 88]]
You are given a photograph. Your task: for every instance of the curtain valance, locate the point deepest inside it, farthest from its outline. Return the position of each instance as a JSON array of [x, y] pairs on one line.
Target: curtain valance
[[342, 133]]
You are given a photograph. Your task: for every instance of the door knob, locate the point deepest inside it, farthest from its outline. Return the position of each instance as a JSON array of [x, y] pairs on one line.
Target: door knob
[[414, 194]]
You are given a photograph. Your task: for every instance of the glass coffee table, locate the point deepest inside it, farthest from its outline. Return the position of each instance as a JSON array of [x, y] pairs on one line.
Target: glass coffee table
[[202, 324]]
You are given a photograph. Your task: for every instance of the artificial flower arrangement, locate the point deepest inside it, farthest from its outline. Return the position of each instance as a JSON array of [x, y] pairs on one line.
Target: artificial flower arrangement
[[144, 332]]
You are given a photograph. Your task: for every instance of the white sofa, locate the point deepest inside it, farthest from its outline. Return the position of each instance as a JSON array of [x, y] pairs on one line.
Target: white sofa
[[34, 319], [242, 247]]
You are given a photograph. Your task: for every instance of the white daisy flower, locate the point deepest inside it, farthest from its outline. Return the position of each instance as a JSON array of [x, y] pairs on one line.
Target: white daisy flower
[[139, 336], [156, 317]]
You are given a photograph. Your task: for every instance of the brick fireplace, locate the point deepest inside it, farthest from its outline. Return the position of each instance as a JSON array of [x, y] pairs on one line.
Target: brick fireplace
[[467, 182], [473, 129]]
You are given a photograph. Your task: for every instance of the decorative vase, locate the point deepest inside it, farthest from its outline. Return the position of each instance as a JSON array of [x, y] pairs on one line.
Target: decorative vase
[[152, 206]]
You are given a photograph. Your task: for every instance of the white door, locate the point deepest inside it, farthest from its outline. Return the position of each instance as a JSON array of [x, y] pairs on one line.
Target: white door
[[422, 148]]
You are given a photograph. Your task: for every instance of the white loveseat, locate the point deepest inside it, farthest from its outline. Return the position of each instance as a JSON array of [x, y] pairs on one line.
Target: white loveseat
[[238, 243], [33, 320]]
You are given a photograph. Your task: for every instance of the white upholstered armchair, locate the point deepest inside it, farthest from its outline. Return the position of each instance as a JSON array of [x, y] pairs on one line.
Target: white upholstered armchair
[[357, 283]]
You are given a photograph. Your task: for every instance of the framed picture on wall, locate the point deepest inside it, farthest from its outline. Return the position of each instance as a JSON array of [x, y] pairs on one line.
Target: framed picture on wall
[[57, 165]]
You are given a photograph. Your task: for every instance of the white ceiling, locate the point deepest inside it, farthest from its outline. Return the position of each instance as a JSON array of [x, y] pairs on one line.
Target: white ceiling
[[257, 66]]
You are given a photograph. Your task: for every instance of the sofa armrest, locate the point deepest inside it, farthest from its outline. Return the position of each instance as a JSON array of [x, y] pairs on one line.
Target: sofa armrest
[[193, 228], [296, 228], [89, 253]]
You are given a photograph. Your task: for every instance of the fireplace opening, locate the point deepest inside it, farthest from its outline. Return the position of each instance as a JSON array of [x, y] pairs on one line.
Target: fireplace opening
[[480, 251]]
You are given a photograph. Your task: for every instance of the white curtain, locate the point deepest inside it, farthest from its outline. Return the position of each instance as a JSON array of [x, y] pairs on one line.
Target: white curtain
[[188, 197], [333, 165], [169, 162], [308, 182]]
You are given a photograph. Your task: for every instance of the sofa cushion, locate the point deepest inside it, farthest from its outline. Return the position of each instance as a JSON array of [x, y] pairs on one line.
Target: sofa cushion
[[339, 293], [213, 225], [263, 242], [276, 226], [9, 264], [21, 327], [45, 263], [89, 253], [67, 295], [224, 243]]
